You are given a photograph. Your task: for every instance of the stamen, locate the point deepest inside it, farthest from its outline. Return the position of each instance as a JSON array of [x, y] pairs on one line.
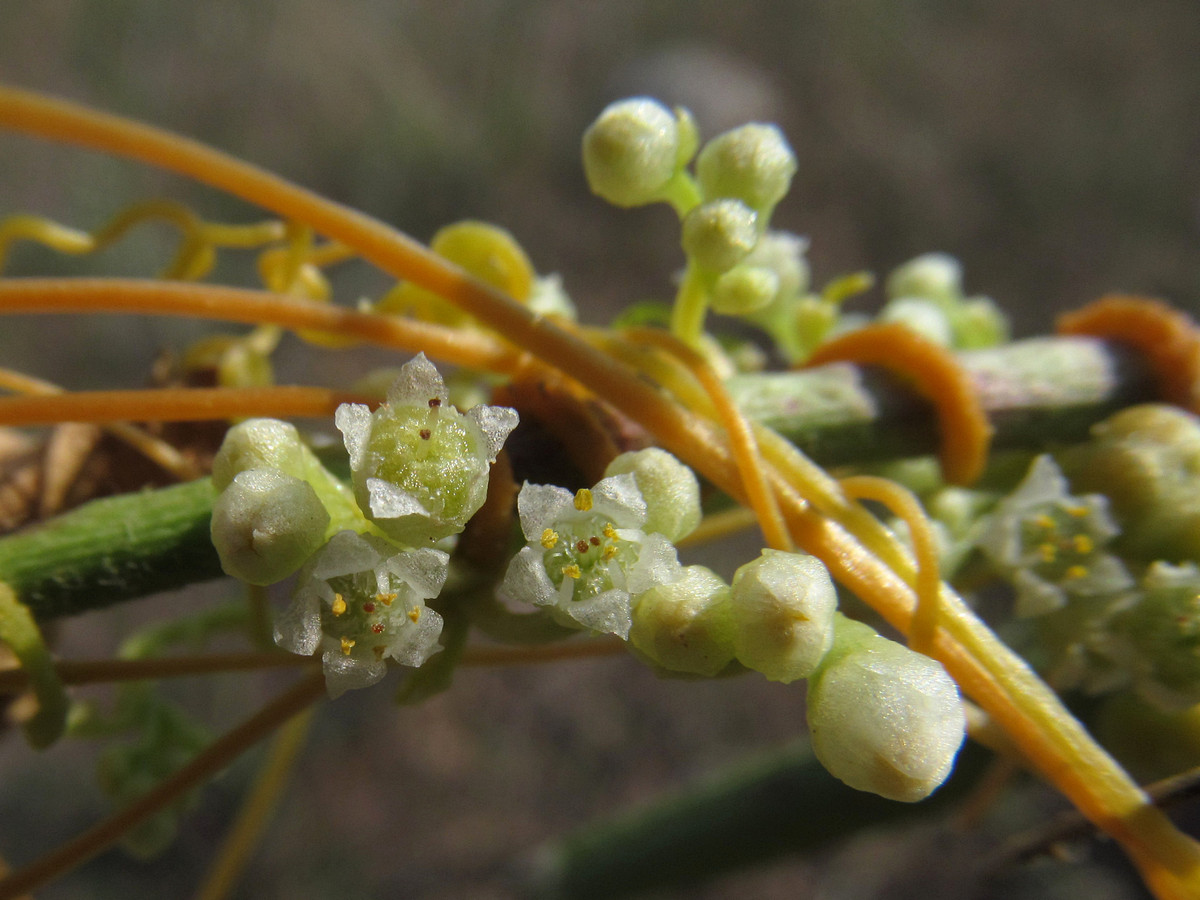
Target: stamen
[[1083, 544], [1048, 552], [572, 571], [414, 614], [347, 645], [339, 604], [549, 538], [385, 599], [609, 531], [609, 552], [583, 499], [1076, 571]]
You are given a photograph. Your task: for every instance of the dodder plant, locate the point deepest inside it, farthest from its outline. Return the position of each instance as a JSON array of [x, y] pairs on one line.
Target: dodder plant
[[427, 530]]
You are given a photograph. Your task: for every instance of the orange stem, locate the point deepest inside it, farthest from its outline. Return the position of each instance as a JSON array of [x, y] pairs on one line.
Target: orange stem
[[173, 405], [204, 301]]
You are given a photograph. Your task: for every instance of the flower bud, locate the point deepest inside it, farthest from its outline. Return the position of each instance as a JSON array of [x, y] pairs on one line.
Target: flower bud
[[684, 626], [1145, 460], [488, 252], [931, 276], [266, 524], [419, 466], [744, 289], [259, 444], [718, 235], [670, 489], [782, 611], [752, 163], [884, 718], [631, 151], [1158, 636], [925, 317]]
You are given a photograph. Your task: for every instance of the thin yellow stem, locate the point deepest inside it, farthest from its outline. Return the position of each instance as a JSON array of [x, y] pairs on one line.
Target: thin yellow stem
[[153, 448], [203, 301], [997, 678], [205, 765], [903, 504], [256, 810]]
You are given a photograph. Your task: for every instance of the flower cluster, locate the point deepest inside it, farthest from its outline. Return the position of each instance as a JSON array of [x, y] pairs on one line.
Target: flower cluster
[[369, 555], [603, 560]]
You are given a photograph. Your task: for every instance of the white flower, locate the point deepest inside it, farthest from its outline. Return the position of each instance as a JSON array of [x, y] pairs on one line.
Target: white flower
[[361, 602], [1051, 543], [587, 556], [419, 466]]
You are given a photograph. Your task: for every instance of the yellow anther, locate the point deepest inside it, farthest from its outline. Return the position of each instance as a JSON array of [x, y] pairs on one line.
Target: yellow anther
[[1044, 521], [583, 499], [609, 552], [339, 604], [609, 531], [1078, 512], [347, 645], [1083, 544], [1048, 552], [549, 538], [415, 614], [1077, 571], [385, 599], [572, 571]]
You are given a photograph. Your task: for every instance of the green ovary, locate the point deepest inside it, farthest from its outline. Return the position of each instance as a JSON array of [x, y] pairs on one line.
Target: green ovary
[[589, 553], [436, 455]]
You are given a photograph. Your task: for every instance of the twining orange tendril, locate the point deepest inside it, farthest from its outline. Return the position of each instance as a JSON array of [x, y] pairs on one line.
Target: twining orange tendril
[[935, 375], [901, 503], [153, 448], [1167, 338], [173, 405], [741, 437], [163, 298]]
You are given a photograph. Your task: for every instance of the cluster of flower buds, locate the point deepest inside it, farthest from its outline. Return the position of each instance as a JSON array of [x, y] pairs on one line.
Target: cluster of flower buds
[[884, 718], [369, 555], [926, 294], [637, 152]]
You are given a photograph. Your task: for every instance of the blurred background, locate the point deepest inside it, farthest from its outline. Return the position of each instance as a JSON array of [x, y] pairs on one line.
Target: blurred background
[[1054, 147]]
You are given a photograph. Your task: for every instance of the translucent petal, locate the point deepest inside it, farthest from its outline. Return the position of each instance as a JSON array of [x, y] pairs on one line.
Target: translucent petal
[[420, 641], [424, 571], [298, 628], [419, 382], [391, 502], [606, 613], [496, 423], [346, 673], [346, 552], [618, 498], [540, 506], [526, 580], [353, 420]]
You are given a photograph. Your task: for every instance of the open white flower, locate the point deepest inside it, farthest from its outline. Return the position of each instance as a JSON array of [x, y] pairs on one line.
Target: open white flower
[[587, 556], [361, 602], [1052, 543], [419, 466]]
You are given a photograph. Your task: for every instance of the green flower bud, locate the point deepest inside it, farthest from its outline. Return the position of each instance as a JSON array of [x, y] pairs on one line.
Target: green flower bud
[[1158, 636], [932, 276], [1146, 460], [744, 289], [925, 317], [685, 626], [782, 610], [260, 444], [266, 524], [752, 163], [979, 323], [419, 466], [670, 489], [884, 718], [718, 235], [632, 150]]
